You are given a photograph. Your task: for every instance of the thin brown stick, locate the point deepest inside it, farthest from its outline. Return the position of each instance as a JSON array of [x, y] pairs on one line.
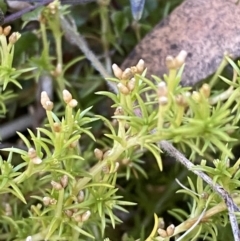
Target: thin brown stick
[[231, 206]]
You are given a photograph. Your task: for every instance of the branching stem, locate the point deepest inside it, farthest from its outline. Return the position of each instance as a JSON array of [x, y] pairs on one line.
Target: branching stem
[[231, 206]]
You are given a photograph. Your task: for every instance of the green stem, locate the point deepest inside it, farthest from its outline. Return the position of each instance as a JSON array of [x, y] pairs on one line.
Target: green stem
[[44, 39], [59, 208], [50, 119]]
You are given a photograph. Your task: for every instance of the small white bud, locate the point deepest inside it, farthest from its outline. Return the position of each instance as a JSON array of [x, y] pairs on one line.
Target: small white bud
[[180, 59], [123, 89], [127, 74], [140, 66], [57, 186], [29, 238], [64, 181], [117, 71], [86, 216], [67, 97], [162, 233], [170, 230], [80, 196], [162, 89], [163, 100], [73, 103], [46, 201]]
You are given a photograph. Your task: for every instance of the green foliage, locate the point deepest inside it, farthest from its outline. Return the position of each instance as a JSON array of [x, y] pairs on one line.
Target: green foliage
[[83, 174]]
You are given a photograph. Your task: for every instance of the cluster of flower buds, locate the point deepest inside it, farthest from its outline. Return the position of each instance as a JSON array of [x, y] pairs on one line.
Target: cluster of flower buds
[[80, 218], [45, 101], [162, 93], [79, 199], [67, 97], [166, 233], [177, 62], [202, 94], [126, 77], [13, 38], [49, 201], [32, 154], [60, 185]]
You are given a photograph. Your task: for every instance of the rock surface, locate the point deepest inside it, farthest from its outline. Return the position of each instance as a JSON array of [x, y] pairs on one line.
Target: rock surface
[[206, 29]]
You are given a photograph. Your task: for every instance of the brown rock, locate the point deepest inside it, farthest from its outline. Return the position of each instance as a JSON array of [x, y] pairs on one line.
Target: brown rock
[[206, 29]]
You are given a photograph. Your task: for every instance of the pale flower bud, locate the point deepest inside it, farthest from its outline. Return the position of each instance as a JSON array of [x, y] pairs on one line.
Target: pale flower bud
[[98, 153], [53, 201], [125, 161], [162, 89], [33, 156], [180, 59], [44, 97], [67, 97], [204, 195], [127, 74], [73, 144], [32, 153], [64, 181], [131, 84], [78, 218], [56, 127], [134, 70], [119, 111], [205, 90], [163, 100], [68, 212], [140, 66], [46, 201], [45, 101], [58, 70], [13, 38], [162, 233], [29, 238], [86, 216], [73, 103], [7, 30], [170, 230], [80, 196], [37, 160], [57, 186], [181, 101], [161, 223], [48, 105], [117, 71], [196, 96], [123, 89], [8, 209], [170, 62], [107, 153]]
